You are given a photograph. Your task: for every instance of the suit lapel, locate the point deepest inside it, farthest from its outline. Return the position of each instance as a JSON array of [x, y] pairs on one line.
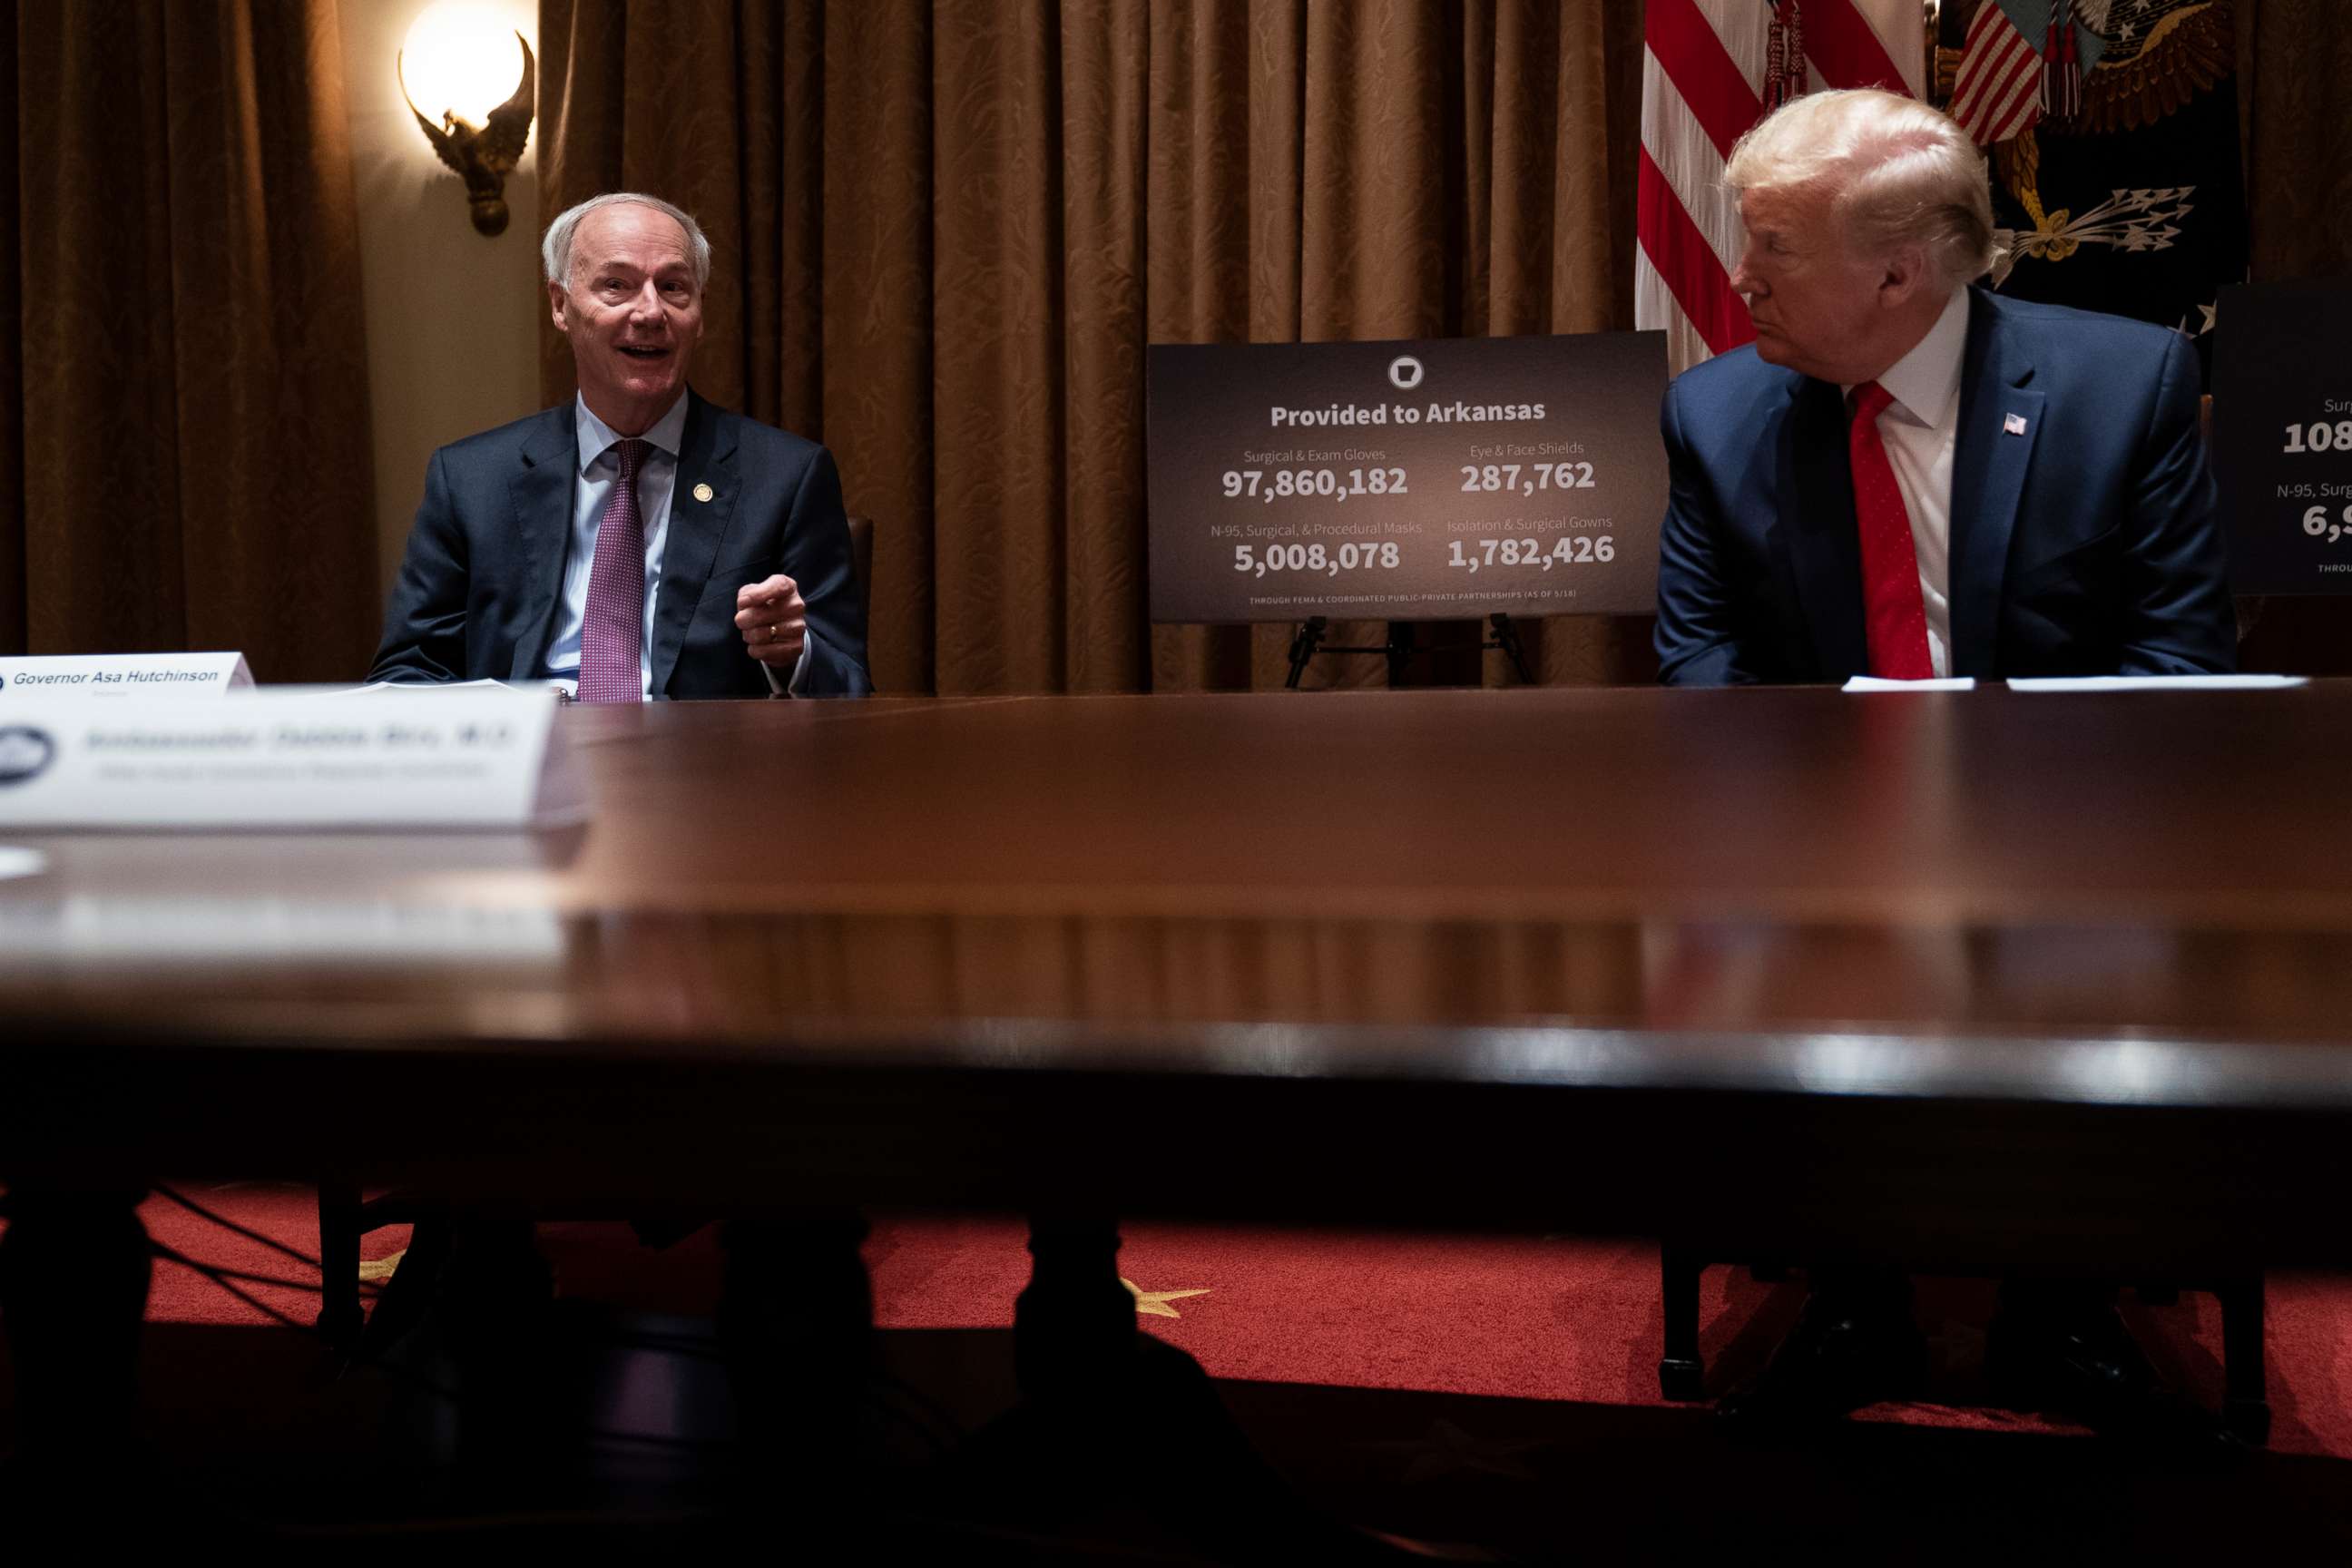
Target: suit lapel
[[1816, 530], [2000, 419], [541, 493], [706, 457]]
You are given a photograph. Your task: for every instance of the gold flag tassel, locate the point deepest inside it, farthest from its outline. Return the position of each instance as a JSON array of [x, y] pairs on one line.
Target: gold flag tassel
[[2062, 67], [1784, 56]]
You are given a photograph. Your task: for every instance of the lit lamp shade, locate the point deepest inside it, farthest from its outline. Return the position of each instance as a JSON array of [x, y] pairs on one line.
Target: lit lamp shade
[[460, 58], [471, 82]]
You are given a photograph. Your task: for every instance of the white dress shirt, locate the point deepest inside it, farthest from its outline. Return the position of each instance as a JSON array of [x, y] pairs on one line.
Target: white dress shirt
[[600, 469], [1919, 429]]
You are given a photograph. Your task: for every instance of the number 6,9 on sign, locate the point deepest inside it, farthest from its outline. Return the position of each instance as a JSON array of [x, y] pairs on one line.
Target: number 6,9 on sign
[[2316, 523]]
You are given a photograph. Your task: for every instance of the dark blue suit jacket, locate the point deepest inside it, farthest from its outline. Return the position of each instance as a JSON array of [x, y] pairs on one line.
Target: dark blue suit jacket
[[2087, 545], [476, 598]]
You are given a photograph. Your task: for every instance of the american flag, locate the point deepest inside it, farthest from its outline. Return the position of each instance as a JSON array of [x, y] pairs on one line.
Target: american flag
[[1705, 80], [1998, 92]]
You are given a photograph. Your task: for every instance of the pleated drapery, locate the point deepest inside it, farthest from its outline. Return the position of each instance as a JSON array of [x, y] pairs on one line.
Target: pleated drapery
[[946, 230], [945, 233], [185, 455]]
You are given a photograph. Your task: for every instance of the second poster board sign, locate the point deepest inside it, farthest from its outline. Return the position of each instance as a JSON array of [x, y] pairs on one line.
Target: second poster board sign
[[1406, 481], [2283, 434]]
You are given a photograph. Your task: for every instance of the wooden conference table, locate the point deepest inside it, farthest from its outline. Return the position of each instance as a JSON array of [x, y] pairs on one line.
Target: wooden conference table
[[2053, 981]]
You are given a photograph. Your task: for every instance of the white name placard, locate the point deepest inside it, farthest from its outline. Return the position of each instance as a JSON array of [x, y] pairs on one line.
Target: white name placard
[[200, 931], [287, 757], [80, 674]]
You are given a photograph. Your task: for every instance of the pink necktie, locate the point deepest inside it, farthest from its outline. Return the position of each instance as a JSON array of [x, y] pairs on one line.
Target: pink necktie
[[612, 631], [1893, 611]]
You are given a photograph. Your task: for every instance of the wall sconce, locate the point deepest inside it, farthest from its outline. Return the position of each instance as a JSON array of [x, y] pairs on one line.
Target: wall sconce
[[461, 67]]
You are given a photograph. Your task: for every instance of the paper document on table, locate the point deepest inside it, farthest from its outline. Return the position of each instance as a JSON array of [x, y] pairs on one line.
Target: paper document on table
[[484, 684], [1940, 683], [2159, 682]]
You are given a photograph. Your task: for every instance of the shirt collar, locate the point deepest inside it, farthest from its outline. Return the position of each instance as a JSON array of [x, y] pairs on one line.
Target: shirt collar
[[596, 437], [1927, 381]]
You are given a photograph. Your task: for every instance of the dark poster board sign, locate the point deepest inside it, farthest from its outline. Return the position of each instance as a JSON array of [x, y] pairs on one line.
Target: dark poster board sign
[[2283, 434], [1406, 481]]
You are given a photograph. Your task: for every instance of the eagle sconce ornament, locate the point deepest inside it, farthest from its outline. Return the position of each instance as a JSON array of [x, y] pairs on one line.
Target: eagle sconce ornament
[[486, 154]]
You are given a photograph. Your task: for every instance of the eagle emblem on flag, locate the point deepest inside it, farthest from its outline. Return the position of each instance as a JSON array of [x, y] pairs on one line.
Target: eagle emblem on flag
[[2112, 129]]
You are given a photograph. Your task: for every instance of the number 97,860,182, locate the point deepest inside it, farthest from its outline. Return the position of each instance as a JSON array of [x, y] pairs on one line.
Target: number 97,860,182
[[1329, 484]]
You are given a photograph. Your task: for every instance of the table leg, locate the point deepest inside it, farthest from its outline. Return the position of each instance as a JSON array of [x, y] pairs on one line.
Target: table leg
[[1112, 1417], [1074, 1322], [73, 1288], [2245, 1404], [796, 1319], [1682, 1372], [485, 1328], [340, 1318]]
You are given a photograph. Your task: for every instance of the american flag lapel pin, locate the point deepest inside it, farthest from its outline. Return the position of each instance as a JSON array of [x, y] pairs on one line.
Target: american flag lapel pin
[[2013, 425]]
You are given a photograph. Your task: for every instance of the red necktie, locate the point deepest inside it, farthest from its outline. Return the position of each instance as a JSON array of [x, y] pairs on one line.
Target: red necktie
[[1893, 610], [612, 631]]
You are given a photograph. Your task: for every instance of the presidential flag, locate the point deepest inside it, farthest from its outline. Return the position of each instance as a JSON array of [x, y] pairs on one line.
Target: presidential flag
[[1998, 90], [1710, 69], [2114, 153]]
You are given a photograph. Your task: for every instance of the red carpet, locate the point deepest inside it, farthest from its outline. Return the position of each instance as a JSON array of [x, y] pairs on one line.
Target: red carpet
[[1529, 1318]]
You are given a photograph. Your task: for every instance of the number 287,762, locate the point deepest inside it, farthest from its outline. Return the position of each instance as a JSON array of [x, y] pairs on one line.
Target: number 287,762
[[1492, 476]]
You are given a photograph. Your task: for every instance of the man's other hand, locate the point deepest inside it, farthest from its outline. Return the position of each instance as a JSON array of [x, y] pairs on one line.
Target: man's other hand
[[773, 619]]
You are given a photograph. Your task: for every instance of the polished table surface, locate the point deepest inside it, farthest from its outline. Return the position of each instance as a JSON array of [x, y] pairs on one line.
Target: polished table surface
[[1444, 957]]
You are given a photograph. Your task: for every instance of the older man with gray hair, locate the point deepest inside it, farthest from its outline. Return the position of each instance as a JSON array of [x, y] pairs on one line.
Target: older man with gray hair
[[1909, 475], [637, 541]]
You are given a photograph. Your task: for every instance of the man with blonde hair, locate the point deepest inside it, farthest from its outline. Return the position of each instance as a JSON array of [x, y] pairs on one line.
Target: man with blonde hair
[[1910, 476]]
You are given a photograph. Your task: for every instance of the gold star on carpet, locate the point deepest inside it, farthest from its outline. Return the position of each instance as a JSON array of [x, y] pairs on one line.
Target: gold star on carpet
[[1446, 1449], [1154, 1303], [381, 1267]]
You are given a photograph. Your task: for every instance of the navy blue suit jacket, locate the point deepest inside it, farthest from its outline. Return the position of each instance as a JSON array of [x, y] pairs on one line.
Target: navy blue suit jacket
[[2085, 545], [476, 598]]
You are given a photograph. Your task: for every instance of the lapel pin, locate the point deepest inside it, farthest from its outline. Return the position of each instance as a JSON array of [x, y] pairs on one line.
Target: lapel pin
[[704, 492], [2014, 425]]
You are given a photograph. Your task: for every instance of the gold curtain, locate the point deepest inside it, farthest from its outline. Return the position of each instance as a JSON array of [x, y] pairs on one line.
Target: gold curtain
[[184, 433], [2294, 59], [944, 233]]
